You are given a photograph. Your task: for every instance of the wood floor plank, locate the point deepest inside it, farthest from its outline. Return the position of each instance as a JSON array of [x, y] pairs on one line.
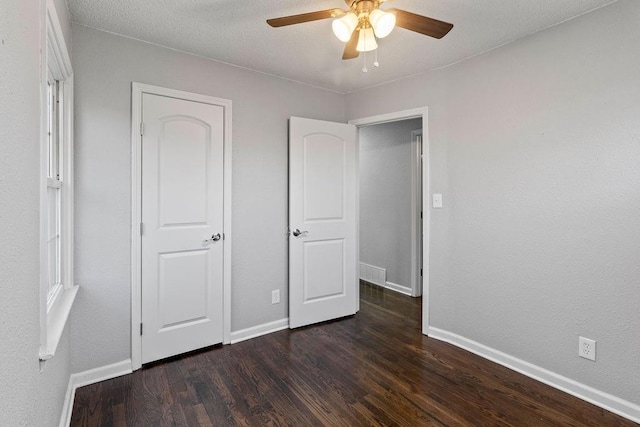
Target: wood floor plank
[[374, 368]]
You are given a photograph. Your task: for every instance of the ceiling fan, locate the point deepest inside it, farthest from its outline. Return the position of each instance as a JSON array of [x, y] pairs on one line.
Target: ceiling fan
[[364, 22]]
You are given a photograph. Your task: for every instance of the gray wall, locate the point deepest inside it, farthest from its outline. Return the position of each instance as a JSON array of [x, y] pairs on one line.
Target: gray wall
[[27, 396], [536, 149], [385, 197], [105, 65]]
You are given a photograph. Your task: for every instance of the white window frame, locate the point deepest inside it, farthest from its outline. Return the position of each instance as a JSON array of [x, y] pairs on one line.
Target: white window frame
[[54, 188], [56, 64]]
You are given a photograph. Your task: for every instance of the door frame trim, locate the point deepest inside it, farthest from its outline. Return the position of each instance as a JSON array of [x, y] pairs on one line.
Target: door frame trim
[[422, 112], [137, 90], [416, 208]]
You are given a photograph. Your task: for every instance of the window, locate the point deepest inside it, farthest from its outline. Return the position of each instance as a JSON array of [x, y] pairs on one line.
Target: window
[[54, 190], [57, 290]]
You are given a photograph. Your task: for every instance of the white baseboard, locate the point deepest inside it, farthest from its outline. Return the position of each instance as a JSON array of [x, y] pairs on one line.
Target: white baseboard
[[599, 398], [256, 331], [398, 288], [91, 376]]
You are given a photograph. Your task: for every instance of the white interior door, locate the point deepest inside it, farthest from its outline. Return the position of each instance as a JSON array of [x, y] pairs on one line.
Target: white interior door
[[322, 220], [182, 223]]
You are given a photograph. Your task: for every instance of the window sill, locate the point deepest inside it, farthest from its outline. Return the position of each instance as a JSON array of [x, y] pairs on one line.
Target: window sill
[[56, 320]]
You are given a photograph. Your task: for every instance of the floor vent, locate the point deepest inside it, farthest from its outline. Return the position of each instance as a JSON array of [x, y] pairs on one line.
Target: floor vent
[[373, 274]]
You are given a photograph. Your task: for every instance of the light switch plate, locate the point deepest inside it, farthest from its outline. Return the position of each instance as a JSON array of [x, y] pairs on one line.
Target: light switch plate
[[437, 200]]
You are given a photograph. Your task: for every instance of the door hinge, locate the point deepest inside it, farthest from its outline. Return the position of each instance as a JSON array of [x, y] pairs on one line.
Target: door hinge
[[141, 229], [140, 328], [420, 214], [141, 129], [223, 236], [420, 272]]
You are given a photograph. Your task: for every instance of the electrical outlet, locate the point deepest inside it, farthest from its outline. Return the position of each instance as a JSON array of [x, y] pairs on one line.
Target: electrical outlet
[[275, 296], [587, 348]]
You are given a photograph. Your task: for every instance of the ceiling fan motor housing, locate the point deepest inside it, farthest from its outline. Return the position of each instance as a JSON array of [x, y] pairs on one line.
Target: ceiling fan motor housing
[[363, 7]]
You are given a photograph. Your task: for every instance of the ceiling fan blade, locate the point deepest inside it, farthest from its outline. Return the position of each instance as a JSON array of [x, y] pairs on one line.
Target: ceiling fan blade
[[350, 51], [421, 24], [305, 17]]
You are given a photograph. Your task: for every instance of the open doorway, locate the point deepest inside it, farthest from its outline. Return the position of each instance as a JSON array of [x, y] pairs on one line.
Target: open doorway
[[419, 234], [390, 236]]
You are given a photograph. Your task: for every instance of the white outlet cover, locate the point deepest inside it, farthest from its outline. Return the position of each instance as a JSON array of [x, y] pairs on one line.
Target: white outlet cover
[[275, 296], [587, 348]]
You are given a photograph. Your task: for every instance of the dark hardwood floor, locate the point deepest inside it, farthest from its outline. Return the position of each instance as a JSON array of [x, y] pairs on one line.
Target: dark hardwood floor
[[374, 368]]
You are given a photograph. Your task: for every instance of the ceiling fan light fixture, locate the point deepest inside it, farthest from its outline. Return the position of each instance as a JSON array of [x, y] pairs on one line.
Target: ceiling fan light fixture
[[343, 27], [366, 40], [382, 22]]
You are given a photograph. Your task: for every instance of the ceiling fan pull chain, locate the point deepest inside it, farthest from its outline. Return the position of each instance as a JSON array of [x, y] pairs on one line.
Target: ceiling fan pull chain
[[364, 60], [375, 62]]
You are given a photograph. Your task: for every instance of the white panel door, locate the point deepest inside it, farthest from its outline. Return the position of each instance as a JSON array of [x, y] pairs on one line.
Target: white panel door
[[322, 221], [182, 213]]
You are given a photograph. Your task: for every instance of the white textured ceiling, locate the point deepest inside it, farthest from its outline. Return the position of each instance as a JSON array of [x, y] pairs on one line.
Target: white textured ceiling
[[235, 31]]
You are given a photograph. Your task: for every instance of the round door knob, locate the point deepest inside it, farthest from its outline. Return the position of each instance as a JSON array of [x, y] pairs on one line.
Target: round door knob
[[214, 238]]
